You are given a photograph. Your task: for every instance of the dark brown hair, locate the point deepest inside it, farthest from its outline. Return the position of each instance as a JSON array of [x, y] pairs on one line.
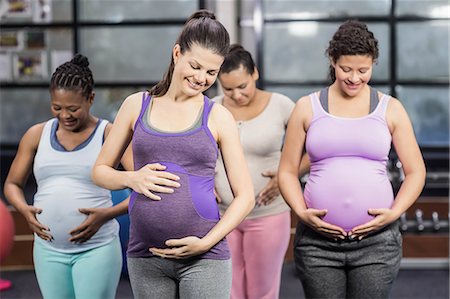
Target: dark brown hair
[[203, 29], [236, 57], [352, 38]]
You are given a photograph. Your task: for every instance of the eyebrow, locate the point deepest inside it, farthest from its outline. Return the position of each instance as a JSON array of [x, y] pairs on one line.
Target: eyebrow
[[200, 65], [238, 86]]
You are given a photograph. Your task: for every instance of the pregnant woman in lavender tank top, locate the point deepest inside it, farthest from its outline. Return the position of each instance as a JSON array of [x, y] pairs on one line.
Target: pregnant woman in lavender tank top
[[177, 246], [348, 244]]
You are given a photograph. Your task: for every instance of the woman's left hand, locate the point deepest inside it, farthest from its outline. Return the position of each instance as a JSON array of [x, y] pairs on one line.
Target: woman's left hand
[[382, 218], [271, 191], [182, 248], [96, 218]]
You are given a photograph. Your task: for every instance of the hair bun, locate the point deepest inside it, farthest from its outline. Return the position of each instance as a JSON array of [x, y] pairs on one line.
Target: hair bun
[[80, 60], [203, 13], [236, 48]]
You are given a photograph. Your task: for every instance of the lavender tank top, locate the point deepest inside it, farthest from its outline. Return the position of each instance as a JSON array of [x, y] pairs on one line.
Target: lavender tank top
[[192, 209], [348, 172]]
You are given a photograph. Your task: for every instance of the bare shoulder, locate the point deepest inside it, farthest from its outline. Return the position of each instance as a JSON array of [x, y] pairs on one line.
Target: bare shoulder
[[32, 136], [131, 107], [220, 122], [220, 114], [134, 99], [395, 110], [395, 105], [396, 114], [303, 108]]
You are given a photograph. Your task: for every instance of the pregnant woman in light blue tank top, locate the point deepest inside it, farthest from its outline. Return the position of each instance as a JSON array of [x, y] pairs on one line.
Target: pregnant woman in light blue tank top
[[76, 250]]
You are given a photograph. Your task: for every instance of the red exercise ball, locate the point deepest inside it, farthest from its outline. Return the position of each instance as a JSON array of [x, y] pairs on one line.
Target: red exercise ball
[[6, 231]]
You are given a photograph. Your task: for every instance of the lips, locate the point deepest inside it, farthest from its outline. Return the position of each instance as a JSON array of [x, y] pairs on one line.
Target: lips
[[195, 86], [69, 123], [352, 86]]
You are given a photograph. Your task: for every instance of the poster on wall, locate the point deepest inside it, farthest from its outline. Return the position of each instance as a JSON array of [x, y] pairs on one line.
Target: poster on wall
[[35, 39], [16, 9], [30, 65], [11, 40], [42, 11]]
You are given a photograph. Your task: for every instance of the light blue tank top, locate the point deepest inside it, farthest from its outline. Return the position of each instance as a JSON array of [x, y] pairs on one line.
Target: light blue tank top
[[64, 185]]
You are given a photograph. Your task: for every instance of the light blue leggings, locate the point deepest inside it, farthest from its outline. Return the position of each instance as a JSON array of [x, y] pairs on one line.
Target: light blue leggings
[[92, 274]]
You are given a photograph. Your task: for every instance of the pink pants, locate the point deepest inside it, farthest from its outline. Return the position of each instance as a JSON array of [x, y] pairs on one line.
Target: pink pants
[[257, 249]]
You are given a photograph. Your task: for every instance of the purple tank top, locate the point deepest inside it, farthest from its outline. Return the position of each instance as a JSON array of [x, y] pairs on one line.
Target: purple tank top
[[192, 209], [348, 172]]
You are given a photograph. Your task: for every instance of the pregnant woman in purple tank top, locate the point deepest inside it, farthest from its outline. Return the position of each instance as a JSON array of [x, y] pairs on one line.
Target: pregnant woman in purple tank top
[[177, 246], [348, 244]]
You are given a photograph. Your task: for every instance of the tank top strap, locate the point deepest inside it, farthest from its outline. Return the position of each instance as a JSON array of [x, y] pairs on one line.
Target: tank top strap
[[146, 98], [317, 108], [207, 106], [47, 132], [100, 131], [373, 99], [384, 102]]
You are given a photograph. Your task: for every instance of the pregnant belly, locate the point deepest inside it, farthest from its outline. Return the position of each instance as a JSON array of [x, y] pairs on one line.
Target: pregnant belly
[[190, 211], [60, 222], [348, 188]]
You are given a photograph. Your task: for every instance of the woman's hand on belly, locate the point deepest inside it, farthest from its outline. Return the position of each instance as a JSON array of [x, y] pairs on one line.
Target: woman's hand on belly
[[182, 248], [38, 228], [271, 191], [96, 218], [151, 177], [313, 218], [382, 218]]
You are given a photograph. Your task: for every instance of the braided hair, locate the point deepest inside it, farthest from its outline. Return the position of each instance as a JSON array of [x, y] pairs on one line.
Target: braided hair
[[74, 75]]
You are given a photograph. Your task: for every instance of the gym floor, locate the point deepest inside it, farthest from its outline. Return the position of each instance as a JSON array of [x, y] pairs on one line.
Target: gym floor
[[410, 283]]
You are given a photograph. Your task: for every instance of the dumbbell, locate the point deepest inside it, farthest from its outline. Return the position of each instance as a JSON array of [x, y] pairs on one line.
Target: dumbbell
[[419, 219], [435, 219]]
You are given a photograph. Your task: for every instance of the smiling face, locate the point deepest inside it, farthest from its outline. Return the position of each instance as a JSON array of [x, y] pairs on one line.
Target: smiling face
[[195, 69], [71, 108], [353, 72], [239, 86]]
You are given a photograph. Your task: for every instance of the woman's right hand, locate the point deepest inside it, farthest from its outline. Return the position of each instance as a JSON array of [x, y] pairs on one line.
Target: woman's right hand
[[313, 218], [38, 228], [153, 178]]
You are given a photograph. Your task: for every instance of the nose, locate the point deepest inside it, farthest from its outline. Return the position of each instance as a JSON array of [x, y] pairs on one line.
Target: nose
[[200, 77], [235, 94], [354, 77], [65, 114]]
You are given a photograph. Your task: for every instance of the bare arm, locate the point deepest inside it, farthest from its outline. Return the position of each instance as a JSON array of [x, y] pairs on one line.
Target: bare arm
[[150, 177], [18, 176], [409, 154], [237, 173], [305, 164]]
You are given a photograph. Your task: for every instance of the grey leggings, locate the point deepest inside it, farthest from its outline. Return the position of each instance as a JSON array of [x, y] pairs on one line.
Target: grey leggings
[[160, 278], [348, 269]]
